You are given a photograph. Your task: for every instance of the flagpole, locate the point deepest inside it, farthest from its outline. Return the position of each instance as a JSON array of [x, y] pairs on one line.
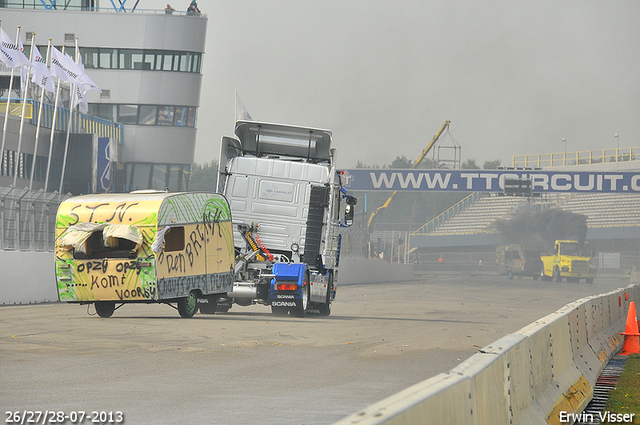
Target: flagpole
[[35, 149], [24, 105], [6, 117], [71, 107], [53, 128]]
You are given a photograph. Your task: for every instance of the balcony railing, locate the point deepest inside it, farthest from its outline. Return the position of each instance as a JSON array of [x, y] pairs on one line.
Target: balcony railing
[[80, 123], [577, 158], [76, 6]]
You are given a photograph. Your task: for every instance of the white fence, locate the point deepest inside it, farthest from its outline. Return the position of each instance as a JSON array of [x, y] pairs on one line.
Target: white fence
[[27, 219]]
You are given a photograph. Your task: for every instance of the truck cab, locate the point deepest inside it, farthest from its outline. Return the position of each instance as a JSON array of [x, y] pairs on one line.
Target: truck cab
[[571, 260], [287, 206]]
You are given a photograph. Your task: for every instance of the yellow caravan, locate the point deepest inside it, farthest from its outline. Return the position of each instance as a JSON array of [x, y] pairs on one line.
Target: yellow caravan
[[146, 246]]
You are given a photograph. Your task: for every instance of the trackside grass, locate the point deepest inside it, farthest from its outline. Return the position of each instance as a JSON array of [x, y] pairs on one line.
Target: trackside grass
[[625, 399]]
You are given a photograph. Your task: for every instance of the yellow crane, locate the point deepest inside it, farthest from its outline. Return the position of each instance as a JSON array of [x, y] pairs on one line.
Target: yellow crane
[[424, 153]]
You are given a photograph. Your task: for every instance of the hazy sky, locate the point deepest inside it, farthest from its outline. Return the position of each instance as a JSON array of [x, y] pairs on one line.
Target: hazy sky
[[513, 77]]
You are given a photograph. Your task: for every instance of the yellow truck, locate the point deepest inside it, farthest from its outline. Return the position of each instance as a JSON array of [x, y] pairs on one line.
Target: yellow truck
[[570, 260], [144, 247]]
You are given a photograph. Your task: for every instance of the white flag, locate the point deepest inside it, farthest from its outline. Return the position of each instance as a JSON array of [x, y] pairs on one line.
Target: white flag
[[24, 70], [41, 74], [87, 83], [241, 111], [80, 99], [81, 89], [63, 67], [10, 53]]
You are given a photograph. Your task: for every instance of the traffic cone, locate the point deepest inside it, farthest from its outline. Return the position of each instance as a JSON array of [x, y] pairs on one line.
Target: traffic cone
[[631, 333]]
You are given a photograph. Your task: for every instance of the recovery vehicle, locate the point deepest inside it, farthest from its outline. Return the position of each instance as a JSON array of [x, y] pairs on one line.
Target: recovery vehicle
[[518, 260], [570, 260], [287, 206]]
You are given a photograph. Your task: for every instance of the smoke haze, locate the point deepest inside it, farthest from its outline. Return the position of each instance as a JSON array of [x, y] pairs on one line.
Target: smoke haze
[[544, 227]]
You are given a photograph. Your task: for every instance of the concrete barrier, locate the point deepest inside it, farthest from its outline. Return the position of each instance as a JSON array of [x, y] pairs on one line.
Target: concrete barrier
[[27, 277], [527, 378]]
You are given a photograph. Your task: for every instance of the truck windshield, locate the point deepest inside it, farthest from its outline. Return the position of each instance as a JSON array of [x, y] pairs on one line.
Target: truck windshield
[[574, 249]]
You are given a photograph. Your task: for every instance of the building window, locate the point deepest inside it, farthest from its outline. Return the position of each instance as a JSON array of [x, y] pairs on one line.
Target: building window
[[130, 59], [103, 110], [178, 177], [148, 115], [194, 65], [90, 57], [157, 176], [166, 115], [140, 176], [149, 60], [127, 114], [191, 120], [107, 58], [182, 116], [184, 63]]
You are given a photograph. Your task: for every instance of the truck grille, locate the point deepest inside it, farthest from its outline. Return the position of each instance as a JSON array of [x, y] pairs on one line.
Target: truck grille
[[579, 266]]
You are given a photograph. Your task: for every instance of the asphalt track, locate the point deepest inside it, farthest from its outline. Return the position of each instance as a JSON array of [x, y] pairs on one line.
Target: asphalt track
[[248, 367]]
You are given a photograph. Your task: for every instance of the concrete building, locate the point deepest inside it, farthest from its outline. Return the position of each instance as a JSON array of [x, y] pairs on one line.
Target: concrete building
[[147, 63]]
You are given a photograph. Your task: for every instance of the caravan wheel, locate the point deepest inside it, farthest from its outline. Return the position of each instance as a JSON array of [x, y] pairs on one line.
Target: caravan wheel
[[105, 308], [188, 305]]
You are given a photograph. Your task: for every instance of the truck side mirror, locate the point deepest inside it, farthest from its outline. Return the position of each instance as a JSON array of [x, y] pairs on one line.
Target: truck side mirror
[[348, 214]]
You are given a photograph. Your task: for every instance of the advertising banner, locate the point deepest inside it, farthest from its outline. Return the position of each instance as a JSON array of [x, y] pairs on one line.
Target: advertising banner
[[361, 179]]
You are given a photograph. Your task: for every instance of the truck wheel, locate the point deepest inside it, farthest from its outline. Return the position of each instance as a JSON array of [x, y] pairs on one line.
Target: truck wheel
[[589, 280], [209, 308], [556, 275], [543, 276], [536, 276], [301, 310], [325, 309], [188, 305], [105, 308]]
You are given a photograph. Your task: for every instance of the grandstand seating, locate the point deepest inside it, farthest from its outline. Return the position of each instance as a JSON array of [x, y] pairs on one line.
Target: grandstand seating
[[480, 215], [602, 210], [605, 209]]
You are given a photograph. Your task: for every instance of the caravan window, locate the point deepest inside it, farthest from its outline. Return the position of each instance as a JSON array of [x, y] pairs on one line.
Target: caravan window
[[174, 239], [97, 241], [97, 247]]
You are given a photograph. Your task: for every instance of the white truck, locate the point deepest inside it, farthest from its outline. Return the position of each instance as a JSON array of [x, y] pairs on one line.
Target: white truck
[[287, 207]]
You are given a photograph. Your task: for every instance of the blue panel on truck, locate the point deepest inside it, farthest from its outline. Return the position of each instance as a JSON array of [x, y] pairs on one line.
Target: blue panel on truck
[[288, 272]]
